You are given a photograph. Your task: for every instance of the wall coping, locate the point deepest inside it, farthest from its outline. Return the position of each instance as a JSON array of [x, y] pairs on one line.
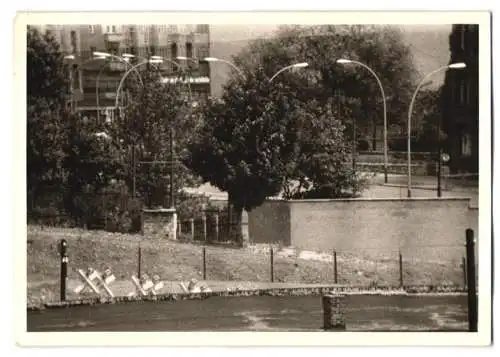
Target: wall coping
[[365, 199], [159, 210]]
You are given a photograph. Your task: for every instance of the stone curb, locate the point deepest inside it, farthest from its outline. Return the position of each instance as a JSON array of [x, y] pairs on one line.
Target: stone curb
[[305, 291]]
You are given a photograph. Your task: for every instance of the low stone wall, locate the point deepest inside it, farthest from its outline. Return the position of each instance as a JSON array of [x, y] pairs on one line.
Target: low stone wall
[[421, 228]]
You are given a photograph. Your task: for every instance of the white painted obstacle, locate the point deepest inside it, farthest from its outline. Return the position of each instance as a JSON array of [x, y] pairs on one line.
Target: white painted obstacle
[[94, 280], [146, 286]]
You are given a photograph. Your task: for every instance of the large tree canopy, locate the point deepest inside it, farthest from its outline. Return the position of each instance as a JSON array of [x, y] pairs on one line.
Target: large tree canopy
[[46, 116], [263, 136]]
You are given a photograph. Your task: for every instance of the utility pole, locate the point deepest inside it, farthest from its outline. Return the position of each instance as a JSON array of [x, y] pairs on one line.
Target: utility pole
[[439, 193], [134, 169], [172, 202]]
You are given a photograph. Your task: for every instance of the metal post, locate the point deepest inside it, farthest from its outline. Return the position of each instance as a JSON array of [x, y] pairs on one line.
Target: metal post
[[471, 280], [354, 145], [401, 283], [64, 268], [439, 193], [139, 261], [335, 276], [464, 272], [204, 264], [172, 199], [134, 169], [272, 264]]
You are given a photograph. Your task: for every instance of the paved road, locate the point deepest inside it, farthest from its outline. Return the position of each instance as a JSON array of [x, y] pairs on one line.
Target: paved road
[[363, 313]]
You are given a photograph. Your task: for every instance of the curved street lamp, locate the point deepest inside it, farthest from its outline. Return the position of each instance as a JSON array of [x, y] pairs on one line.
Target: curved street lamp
[[213, 59], [458, 65], [348, 61], [72, 58], [295, 65], [125, 75]]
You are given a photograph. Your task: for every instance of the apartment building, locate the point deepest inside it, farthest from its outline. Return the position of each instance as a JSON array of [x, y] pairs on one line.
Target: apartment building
[[461, 100], [95, 81]]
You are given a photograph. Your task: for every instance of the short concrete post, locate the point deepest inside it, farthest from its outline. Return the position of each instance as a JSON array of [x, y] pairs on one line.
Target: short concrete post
[[191, 222], [204, 222], [216, 217], [333, 312]]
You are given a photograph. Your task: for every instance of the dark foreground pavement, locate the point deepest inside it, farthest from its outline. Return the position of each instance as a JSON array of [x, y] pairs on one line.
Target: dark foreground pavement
[[265, 313]]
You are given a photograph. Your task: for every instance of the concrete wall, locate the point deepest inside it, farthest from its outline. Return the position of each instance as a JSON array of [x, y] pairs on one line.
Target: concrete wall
[[434, 228], [270, 223]]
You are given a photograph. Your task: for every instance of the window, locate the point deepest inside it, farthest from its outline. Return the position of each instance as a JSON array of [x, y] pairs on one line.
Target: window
[[466, 147], [462, 92], [462, 36], [73, 42], [203, 52], [173, 51], [92, 50], [91, 29], [202, 28], [189, 50], [113, 28]]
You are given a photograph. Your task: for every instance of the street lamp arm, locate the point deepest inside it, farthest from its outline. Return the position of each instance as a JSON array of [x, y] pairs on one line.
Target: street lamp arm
[[410, 111], [232, 65], [282, 70], [384, 101], [122, 80]]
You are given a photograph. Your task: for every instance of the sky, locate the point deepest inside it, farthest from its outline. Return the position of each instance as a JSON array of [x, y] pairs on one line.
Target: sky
[[244, 32]]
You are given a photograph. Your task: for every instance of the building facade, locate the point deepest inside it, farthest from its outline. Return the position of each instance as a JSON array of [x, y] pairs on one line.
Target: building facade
[[460, 101], [94, 81]]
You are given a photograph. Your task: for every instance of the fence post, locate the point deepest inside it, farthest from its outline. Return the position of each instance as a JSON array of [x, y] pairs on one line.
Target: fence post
[[335, 275], [272, 264], [139, 261], [464, 272], [333, 315], [401, 283], [471, 280], [191, 222], [179, 226], [64, 268], [204, 264], [204, 221], [216, 227]]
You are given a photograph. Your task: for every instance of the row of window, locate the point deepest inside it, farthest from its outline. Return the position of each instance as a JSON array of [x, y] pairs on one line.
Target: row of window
[[462, 92], [159, 28]]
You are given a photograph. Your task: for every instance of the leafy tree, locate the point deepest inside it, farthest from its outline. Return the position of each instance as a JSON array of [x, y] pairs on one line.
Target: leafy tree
[[93, 160], [353, 88], [245, 143], [155, 114], [426, 117], [46, 115]]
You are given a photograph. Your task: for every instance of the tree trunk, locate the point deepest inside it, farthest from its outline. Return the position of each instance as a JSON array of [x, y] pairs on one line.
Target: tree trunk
[[235, 217]]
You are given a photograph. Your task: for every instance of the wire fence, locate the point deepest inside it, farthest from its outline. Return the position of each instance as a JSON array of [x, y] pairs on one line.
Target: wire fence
[[257, 265]]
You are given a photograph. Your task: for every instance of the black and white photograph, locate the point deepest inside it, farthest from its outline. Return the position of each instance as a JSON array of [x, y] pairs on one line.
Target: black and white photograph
[[243, 174]]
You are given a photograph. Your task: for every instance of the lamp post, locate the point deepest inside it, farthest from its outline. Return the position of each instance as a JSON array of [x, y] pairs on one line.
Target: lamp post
[[155, 60], [458, 65], [348, 61]]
